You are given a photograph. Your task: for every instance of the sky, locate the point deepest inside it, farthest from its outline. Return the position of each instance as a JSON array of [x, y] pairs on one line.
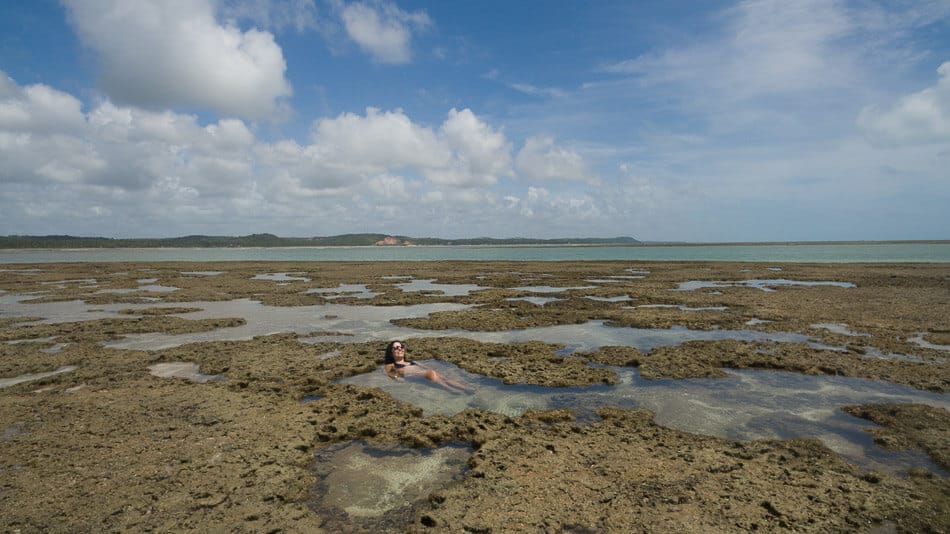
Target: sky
[[711, 121]]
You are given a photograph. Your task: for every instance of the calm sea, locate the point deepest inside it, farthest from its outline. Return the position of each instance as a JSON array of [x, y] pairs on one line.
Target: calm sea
[[824, 253]]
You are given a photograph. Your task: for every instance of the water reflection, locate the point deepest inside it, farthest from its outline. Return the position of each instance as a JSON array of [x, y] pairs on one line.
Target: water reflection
[[377, 487], [7, 382], [354, 323], [919, 340], [369, 323], [537, 301], [281, 277], [360, 291], [681, 307], [619, 298], [448, 290], [764, 285], [839, 328], [550, 289], [186, 370], [746, 405]]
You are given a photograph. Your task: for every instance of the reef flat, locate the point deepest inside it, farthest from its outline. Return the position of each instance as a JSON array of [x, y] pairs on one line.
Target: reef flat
[[96, 435]]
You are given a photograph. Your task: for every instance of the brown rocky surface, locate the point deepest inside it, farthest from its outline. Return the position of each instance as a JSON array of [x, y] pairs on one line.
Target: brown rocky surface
[[109, 447]]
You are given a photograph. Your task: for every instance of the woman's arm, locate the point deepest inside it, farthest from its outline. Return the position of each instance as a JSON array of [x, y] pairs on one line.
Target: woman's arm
[[391, 371]]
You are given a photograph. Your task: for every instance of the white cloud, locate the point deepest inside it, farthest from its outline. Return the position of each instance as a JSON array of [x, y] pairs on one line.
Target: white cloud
[[274, 14], [173, 53], [465, 152], [481, 154], [541, 159], [124, 170], [37, 108], [393, 189], [767, 47], [918, 118], [378, 140], [382, 29], [528, 89]]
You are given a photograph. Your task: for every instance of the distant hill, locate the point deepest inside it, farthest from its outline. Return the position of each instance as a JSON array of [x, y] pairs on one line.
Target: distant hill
[[270, 240]]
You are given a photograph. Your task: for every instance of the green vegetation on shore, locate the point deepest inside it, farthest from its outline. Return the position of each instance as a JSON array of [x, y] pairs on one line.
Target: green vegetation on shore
[[270, 240]]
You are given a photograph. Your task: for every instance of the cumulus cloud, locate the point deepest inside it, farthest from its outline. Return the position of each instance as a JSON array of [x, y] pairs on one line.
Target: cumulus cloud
[[382, 29], [153, 169], [481, 154], [918, 118], [174, 53], [540, 159], [37, 108], [379, 140], [464, 152]]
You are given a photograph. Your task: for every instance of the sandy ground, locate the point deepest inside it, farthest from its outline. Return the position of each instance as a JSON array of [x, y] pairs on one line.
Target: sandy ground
[[109, 446]]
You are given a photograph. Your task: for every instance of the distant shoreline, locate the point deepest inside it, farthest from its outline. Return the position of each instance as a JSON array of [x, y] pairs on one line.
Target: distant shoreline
[[374, 241]]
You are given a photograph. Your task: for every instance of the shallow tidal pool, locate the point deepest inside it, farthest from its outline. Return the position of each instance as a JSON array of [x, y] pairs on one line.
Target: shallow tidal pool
[[746, 405]]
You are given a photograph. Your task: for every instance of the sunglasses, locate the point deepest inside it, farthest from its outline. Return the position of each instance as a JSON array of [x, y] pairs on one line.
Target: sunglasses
[[399, 347]]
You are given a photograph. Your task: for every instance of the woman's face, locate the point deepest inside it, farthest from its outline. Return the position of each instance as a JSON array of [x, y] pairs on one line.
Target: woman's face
[[399, 350]]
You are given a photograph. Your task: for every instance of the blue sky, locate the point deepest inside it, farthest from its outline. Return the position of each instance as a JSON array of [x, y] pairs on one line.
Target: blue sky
[[666, 121]]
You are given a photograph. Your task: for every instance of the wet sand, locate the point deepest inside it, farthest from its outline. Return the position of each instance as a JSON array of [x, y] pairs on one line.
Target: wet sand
[[110, 446]]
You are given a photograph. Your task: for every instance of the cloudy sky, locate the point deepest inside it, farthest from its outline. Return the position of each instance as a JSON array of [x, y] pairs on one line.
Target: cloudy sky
[[691, 121]]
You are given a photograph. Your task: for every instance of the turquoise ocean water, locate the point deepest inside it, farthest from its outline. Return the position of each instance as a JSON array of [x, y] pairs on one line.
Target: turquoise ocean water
[[797, 253]]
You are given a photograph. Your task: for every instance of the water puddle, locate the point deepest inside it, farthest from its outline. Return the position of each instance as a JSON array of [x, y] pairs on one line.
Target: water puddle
[[592, 335], [353, 323], [921, 342], [377, 488], [764, 285], [151, 288], [7, 382], [359, 291], [746, 405], [549, 289], [369, 323], [202, 273], [55, 312], [52, 348], [680, 307], [328, 355], [186, 370], [839, 328], [448, 290], [145, 284], [619, 298], [281, 277], [537, 301], [872, 352], [85, 282]]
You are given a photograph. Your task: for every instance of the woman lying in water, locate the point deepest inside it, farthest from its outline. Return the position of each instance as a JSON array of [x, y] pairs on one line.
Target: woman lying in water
[[397, 366]]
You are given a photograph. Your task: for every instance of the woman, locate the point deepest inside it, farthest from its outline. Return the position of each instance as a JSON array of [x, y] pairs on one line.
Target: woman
[[397, 366]]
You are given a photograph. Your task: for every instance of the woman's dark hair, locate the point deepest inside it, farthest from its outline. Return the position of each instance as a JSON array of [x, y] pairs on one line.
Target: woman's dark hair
[[389, 351]]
